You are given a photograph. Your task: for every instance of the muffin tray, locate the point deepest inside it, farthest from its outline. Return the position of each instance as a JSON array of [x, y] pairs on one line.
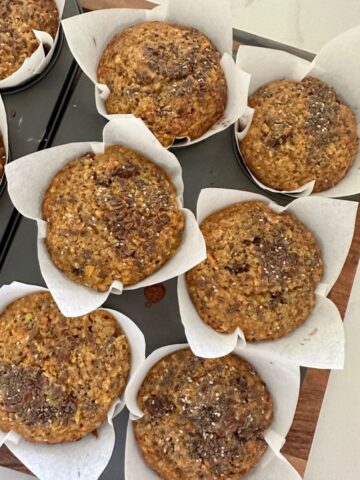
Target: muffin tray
[[33, 111], [71, 116]]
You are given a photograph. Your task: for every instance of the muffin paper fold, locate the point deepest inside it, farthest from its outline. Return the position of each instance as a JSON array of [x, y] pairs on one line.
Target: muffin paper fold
[[319, 342], [89, 34], [39, 60], [336, 64], [4, 132], [282, 380], [29, 177], [87, 458]]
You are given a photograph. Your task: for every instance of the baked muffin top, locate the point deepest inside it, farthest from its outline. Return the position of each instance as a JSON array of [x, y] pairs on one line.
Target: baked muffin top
[[267, 315], [203, 418], [168, 75], [301, 131], [58, 376], [111, 216], [18, 19], [261, 271], [2, 156]]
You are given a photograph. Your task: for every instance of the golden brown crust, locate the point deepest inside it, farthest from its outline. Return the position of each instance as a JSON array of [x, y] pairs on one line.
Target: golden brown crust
[[260, 274], [111, 216], [203, 418], [18, 19], [301, 131], [168, 75], [58, 376], [2, 157]]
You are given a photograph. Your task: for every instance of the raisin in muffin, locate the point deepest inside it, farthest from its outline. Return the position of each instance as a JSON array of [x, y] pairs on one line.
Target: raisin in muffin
[[111, 216], [168, 75], [58, 376], [18, 19], [2, 157], [261, 272], [301, 131], [203, 418]]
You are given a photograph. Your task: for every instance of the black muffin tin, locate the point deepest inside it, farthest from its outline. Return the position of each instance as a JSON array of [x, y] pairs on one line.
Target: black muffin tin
[[71, 116], [33, 113]]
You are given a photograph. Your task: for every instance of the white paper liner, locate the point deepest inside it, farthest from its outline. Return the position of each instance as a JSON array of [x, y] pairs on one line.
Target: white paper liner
[[38, 61], [4, 132], [89, 34], [282, 380], [29, 177], [88, 457], [319, 342], [337, 64]]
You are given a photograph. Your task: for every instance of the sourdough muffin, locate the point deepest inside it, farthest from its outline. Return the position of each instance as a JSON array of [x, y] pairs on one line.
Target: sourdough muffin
[[203, 418], [111, 216], [58, 376], [2, 157], [261, 272], [18, 19], [301, 131], [168, 75]]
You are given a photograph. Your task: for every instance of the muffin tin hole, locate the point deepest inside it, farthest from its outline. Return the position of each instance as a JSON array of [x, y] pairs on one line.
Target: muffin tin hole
[[36, 78]]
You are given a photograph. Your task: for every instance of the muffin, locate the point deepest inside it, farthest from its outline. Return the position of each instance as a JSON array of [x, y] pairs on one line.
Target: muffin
[[168, 75], [58, 376], [261, 272], [203, 418], [18, 19], [2, 157], [111, 216], [301, 131]]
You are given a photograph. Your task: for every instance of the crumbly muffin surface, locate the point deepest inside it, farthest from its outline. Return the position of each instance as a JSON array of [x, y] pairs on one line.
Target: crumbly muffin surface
[[168, 75], [260, 274], [301, 131], [18, 19], [203, 418], [58, 376], [111, 216], [2, 157]]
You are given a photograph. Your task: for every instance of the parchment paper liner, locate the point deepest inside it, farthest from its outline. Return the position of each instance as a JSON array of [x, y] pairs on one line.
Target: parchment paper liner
[[38, 61], [4, 133], [86, 458], [337, 64], [282, 380], [29, 177], [89, 34], [319, 342]]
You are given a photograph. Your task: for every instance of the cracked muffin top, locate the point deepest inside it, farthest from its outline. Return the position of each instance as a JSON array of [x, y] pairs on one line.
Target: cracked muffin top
[[18, 19], [203, 418], [168, 75], [58, 376], [301, 131], [111, 216]]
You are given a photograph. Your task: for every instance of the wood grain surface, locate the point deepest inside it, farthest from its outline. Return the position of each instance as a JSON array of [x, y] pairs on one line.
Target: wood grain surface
[[300, 437]]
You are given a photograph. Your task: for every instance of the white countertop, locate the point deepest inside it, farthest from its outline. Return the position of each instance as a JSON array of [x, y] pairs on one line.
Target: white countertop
[[335, 451], [304, 24], [7, 474]]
